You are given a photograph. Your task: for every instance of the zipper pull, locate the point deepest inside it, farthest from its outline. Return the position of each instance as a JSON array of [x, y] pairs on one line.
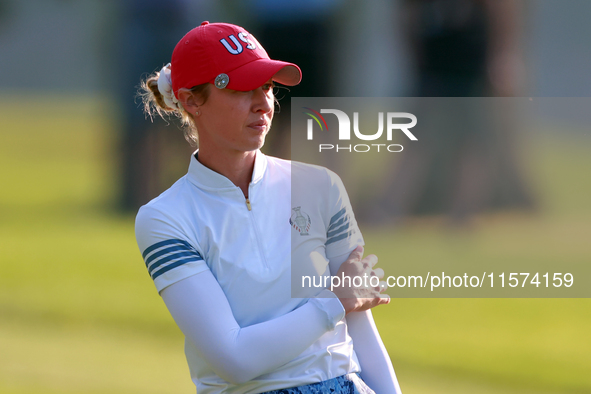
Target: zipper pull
[[248, 204]]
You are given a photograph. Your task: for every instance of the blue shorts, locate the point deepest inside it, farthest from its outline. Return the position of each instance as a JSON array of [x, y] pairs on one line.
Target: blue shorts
[[346, 384]]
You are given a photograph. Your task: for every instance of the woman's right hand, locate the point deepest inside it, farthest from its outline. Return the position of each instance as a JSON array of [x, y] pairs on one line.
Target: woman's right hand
[[360, 298]]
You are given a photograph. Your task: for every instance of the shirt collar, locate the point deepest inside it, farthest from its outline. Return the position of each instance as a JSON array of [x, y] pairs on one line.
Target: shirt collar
[[206, 178]]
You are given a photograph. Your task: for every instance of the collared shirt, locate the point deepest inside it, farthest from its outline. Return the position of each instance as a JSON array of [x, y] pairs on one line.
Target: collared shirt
[[296, 218]]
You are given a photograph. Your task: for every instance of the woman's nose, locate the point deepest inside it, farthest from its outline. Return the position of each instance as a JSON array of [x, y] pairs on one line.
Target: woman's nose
[[262, 100]]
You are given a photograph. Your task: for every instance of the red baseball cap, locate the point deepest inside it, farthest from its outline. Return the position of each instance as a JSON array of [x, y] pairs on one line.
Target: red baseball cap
[[227, 56]]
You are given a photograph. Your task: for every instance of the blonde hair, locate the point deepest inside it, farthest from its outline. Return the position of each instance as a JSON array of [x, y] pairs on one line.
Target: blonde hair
[[154, 104]]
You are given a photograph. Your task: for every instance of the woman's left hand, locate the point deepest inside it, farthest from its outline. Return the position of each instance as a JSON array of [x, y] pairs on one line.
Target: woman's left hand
[[357, 269]]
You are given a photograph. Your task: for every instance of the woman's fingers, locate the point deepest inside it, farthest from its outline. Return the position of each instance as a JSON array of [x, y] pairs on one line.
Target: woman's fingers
[[370, 261], [356, 254], [378, 272], [364, 290]]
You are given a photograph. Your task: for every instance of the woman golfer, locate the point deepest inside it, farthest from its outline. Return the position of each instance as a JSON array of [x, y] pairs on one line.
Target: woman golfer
[[225, 241]]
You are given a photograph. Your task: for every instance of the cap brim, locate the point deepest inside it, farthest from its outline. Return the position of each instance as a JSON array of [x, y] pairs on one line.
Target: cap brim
[[254, 74]]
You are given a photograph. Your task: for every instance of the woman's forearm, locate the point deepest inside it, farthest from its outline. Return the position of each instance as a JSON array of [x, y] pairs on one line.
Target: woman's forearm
[[376, 367], [202, 312]]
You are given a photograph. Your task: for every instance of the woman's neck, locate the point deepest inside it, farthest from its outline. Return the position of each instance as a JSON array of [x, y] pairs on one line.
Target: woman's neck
[[237, 166]]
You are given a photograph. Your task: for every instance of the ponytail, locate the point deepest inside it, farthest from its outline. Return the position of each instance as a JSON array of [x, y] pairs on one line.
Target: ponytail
[[157, 97]]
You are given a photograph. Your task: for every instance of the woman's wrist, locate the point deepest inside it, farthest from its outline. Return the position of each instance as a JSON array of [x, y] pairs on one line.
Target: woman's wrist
[[331, 306]]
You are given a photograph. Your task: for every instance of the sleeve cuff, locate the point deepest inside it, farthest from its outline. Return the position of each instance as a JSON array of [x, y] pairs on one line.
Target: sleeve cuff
[[331, 306]]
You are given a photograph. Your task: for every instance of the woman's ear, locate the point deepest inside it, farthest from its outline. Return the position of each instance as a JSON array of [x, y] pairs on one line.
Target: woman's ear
[[188, 100]]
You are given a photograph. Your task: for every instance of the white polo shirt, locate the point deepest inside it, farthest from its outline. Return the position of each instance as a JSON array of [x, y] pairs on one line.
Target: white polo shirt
[[296, 213]]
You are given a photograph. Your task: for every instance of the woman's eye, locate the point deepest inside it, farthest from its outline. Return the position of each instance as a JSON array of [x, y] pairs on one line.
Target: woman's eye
[[268, 86]]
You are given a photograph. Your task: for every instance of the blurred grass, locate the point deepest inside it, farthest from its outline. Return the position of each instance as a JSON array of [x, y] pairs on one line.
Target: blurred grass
[[79, 314]]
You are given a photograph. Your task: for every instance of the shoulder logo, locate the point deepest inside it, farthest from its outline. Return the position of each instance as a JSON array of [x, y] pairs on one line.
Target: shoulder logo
[[300, 221]]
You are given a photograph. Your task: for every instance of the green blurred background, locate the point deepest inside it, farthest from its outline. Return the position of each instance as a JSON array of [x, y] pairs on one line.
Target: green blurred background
[[79, 314]]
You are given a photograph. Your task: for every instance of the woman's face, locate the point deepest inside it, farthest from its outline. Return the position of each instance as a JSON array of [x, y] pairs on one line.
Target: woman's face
[[231, 120]]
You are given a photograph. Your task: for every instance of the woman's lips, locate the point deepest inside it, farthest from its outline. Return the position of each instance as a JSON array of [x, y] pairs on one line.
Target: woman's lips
[[259, 126]]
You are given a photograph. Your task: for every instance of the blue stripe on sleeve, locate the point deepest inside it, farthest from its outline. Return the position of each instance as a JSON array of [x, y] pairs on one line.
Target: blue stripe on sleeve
[[167, 268], [165, 243], [339, 226], [339, 237], [175, 256], [336, 217], [338, 222], [166, 255], [162, 252]]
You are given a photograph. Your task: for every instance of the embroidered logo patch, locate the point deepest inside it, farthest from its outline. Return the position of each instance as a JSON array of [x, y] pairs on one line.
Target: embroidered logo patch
[[300, 221]]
